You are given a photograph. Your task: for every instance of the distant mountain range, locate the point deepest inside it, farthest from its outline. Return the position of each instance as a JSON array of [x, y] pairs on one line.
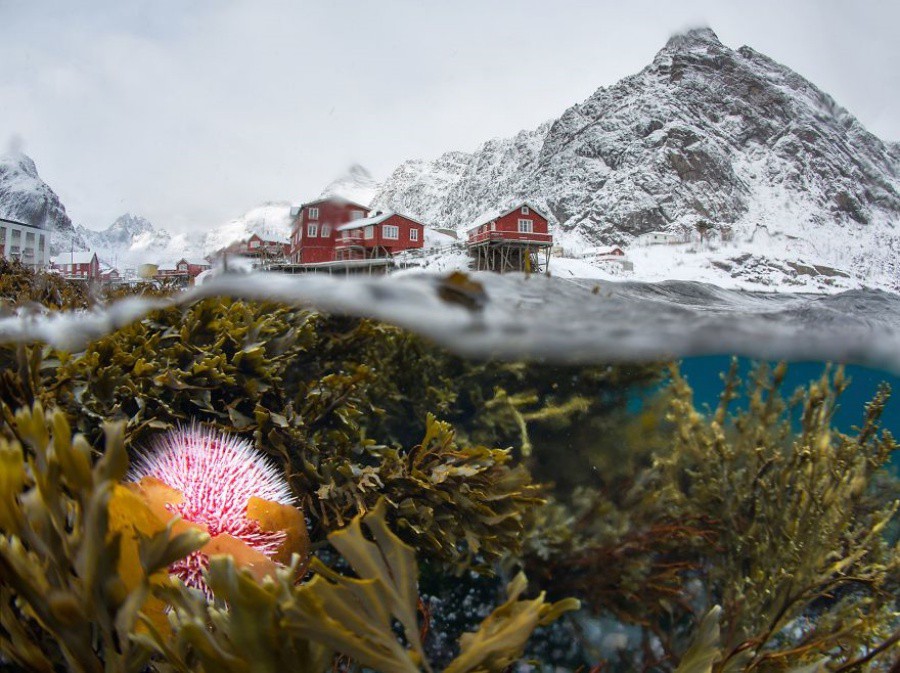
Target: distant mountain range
[[705, 137]]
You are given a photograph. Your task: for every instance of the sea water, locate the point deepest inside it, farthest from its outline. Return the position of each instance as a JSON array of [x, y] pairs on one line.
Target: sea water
[[563, 323]]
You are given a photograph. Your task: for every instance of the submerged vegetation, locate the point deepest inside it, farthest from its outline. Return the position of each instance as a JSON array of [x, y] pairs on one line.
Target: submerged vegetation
[[748, 537]]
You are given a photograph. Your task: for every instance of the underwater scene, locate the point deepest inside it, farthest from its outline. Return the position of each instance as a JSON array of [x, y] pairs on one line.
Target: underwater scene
[[463, 473]]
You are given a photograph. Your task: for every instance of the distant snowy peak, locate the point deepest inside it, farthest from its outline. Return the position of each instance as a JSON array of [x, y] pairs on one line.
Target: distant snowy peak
[[356, 185], [457, 186], [25, 197], [271, 221], [127, 231]]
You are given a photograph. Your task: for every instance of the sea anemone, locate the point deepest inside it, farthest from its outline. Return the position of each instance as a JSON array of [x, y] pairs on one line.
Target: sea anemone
[[224, 486]]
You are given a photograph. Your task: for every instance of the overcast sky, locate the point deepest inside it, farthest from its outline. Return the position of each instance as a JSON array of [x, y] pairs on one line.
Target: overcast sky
[[190, 112]]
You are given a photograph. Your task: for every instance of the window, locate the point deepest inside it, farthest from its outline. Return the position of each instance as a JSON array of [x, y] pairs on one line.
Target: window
[[391, 231], [357, 215], [312, 230], [369, 233], [314, 213], [413, 234], [326, 230], [493, 226], [525, 210], [254, 244], [525, 227]]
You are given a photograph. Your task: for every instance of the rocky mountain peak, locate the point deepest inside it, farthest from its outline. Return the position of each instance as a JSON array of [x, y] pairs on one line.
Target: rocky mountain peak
[[356, 184], [704, 134], [130, 225], [25, 197], [702, 37]]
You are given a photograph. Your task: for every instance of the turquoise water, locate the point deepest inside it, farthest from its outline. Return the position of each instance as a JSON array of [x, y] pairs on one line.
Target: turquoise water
[[864, 382]]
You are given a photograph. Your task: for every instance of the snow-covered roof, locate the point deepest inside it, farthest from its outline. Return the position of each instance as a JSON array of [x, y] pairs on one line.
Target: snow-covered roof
[[375, 219], [364, 222], [603, 250], [79, 257], [194, 261], [495, 213]]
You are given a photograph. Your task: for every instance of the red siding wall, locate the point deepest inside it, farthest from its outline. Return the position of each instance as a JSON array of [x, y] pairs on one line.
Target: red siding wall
[[510, 222], [404, 240], [306, 250], [506, 227]]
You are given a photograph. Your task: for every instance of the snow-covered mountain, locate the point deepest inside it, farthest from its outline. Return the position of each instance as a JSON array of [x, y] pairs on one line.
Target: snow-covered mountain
[[24, 197], [357, 185], [271, 220], [704, 134]]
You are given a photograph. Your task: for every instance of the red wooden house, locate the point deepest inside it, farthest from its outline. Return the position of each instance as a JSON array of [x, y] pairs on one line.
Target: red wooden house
[[192, 268], [78, 265], [517, 239], [381, 235], [314, 233], [522, 223]]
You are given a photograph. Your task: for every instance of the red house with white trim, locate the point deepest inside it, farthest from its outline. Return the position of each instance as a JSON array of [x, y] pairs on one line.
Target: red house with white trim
[[381, 235], [522, 223], [517, 239], [78, 265], [314, 233]]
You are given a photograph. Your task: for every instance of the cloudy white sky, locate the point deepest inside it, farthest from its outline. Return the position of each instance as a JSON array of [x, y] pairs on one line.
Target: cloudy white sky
[[190, 112]]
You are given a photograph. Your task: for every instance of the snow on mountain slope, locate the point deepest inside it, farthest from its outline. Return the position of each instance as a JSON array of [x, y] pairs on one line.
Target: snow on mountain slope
[[704, 134], [24, 197], [271, 220], [356, 185]]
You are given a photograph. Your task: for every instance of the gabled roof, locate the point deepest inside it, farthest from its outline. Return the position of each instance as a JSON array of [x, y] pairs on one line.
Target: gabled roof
[[375, 219], [334, 199], [79, 257], [496, 213]]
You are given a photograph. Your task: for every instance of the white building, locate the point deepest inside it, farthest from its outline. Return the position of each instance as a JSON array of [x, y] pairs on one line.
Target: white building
[[25, 242], [658, 238]]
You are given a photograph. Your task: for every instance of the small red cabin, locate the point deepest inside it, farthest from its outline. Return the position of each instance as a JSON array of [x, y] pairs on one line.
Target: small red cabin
[[523, 224], [192, 268], [381, 235], [314, 233], [517, 239], [78, 265]]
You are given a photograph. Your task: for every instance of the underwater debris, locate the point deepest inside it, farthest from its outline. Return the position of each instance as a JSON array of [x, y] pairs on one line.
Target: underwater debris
[[224, 487]]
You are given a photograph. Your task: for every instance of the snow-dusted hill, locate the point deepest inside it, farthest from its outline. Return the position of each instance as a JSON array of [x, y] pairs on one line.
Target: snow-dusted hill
[[24, 197], [703, 134], [356, 185], [271, 221]]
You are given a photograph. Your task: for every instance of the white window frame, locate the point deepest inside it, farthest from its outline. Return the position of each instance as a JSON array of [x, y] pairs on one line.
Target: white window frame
[[313, 213], [526, 226], [254, 244], [526, 210], [357, 215], [390, 232], [493, 226], [413, 234], [312, 230], [326, 231], [369, 233]]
